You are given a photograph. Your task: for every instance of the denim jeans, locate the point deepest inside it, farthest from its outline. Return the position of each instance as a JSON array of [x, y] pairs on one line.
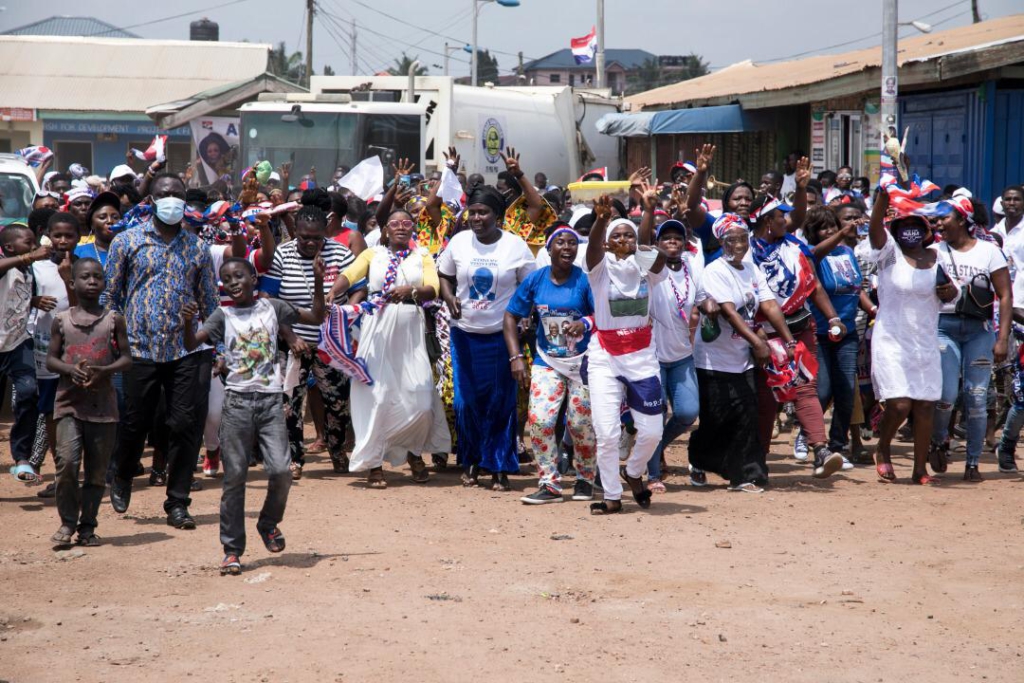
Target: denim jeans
[[78, 508], [1011, 430], [679, 385], [837, 382], [19, 366], [249, 418], [965, 345]]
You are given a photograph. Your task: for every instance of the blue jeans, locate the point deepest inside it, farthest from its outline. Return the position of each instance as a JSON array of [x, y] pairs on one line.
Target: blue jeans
[[837, 382], [679, 385], [1011, 431], [19, 366], [965, 345]]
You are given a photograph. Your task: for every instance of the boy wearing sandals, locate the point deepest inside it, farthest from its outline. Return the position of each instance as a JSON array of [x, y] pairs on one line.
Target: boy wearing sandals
[[88, 344], [252, 402]]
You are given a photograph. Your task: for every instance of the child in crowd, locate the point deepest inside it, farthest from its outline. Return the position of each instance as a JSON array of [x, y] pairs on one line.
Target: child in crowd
[[252, 403], [88, 344], [16, 363], [53, 294]]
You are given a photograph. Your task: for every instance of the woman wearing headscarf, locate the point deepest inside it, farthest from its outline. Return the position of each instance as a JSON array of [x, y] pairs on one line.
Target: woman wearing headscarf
[[968, 345], [621, 362], [560, 295], [400, 416], [726, 350], [905, 369], [480, 270]]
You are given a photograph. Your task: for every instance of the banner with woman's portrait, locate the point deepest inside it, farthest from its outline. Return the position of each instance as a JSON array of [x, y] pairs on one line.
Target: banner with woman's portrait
[[216, 141]]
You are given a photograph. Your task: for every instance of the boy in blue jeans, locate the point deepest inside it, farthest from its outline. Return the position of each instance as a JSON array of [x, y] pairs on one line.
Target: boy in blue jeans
[[252, 402]]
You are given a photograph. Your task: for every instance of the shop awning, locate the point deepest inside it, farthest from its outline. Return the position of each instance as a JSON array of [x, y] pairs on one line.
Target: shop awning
[[727, 118]]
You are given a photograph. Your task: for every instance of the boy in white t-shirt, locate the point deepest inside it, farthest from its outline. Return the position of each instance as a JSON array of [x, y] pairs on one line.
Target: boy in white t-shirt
[[252, 403]]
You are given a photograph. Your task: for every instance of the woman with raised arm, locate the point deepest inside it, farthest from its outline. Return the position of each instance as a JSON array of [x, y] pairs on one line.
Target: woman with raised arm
[[621, 363], [906, 369], [737, 199]]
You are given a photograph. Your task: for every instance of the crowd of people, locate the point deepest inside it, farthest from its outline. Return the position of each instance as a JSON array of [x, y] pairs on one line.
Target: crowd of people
[[503, 324]]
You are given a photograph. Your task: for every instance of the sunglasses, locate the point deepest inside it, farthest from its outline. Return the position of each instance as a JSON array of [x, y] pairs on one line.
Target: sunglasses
[[404, 223]]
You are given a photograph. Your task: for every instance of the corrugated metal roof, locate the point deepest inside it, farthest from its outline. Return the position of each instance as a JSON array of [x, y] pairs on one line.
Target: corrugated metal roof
[[118, 74], [70, 26], [563, 59], [745, 81]]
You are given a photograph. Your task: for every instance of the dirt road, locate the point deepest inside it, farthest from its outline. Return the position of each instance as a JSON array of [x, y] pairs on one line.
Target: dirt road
[[842, 580]]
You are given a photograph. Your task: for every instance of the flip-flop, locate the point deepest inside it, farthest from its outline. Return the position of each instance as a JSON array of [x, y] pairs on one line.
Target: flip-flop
[[885, 472], [602, 508], [24, 473], [926, 480], [641, 494]]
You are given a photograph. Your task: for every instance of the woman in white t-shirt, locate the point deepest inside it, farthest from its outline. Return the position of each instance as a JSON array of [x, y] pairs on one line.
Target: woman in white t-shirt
[[726, 440], [905, 367], [621, 363], [480, 270], [967, 344]]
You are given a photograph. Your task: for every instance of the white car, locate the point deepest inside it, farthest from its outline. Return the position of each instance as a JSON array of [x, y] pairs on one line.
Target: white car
[[18, 186]]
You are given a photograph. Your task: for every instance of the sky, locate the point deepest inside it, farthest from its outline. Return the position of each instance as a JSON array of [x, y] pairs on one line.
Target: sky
[[723, 32]]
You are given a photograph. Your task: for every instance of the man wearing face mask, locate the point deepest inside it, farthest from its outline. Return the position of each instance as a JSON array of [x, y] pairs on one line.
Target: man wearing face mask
[[152, 271]]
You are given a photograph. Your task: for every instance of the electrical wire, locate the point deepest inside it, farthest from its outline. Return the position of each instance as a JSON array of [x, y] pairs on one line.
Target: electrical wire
[[338, 34], [158, 21]]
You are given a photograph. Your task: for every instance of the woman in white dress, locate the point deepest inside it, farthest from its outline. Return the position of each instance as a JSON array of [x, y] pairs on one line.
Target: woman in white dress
[[400, 416], [906, 369]]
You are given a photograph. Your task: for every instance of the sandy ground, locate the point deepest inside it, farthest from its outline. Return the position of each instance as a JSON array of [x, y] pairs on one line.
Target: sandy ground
[[842, 580]]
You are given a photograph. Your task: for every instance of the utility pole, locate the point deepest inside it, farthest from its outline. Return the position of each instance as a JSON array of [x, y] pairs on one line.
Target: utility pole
[[599, 61], [353, 37], [309, 41], [890, 75], [473, 57], [519, 71], [975, 12]]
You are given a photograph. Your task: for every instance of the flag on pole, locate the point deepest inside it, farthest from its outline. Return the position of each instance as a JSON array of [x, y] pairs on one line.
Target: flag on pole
[[157, 150], [35, 156], [584, 49]]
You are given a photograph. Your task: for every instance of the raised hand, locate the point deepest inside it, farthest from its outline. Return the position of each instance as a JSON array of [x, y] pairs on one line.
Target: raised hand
[[403, 167], [603, 208], [803, 172], [285, 169], [641, 175], [319, 268], [705, 155], [250, 186], [648, 196], [511, 159], [64, 268], [452, 158]]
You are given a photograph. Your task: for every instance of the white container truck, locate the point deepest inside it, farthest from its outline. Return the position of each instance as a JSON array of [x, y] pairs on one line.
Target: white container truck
[[345, 119]]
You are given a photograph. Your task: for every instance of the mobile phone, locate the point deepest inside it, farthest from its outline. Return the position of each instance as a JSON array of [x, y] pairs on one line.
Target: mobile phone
[[405, 180], [941, 277]]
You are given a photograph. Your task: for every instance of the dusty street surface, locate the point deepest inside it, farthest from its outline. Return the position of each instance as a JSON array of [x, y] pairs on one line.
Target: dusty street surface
[[843, 580]]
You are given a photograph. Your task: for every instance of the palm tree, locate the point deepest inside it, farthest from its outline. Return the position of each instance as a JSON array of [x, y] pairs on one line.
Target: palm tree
[[401, 67], [291, 67]]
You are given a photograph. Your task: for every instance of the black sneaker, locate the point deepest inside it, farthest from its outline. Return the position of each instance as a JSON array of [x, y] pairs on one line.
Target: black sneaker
[[826, 463], [583, 490], [541, 496], [698, 477], [1007, 463]]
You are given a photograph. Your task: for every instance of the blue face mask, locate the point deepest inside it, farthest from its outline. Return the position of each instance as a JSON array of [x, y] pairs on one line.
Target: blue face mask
[[170, 210], [350, 225]]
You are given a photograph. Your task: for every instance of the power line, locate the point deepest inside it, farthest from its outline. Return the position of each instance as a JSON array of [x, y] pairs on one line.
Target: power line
[[391, 38], [342, 41], [368, 46], [158, 21]]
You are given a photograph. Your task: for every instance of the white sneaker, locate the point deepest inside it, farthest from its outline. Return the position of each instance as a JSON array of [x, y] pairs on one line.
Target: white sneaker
[[847, 465], [626, 441], [800, 447]]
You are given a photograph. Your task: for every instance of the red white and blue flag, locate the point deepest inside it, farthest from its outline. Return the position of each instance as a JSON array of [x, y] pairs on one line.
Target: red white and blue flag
[[584, 49], [157, 150]]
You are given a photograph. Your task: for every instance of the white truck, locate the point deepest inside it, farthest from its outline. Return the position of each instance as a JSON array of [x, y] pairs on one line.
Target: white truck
[[345, 119]]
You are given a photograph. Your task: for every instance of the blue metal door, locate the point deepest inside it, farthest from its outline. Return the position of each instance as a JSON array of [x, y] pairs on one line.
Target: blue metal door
[[1008, 152]]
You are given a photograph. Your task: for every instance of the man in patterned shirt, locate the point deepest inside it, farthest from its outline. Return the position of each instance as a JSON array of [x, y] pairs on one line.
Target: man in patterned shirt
[[152, 271]]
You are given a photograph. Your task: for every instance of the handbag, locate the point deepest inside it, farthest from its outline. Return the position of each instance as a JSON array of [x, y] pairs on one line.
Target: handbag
[[976, 300], [430, 340]]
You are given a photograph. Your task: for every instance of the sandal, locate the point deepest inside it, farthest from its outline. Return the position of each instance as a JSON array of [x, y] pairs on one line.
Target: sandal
[[24, 473], [606, 507], [375, 480], [655, 486], [925, 479], [89, 540], [420, 475], [318, 446], [641, 494], [499, 482], [49, 492], [937, 458], [62, 536], [296, 469], [747, 487], [885, 472], [471, 476], [440, 461], [230, 565], [273, 539]]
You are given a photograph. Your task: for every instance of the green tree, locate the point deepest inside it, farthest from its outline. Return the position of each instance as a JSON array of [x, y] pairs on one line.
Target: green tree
[[328, 71], [651, 74], [291, 67], [401, 67], [486, 68]]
